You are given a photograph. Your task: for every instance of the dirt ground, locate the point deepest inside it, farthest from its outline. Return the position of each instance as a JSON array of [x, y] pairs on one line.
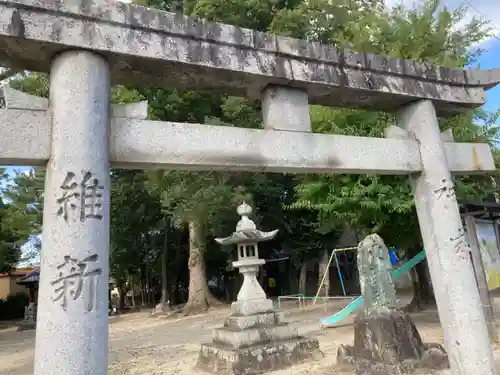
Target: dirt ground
[[144, 345]]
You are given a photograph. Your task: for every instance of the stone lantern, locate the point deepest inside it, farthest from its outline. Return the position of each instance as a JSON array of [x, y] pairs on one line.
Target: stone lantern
[[251, 297], [254, 339]]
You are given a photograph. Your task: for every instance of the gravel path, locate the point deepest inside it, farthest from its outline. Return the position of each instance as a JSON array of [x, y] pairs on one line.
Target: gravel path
[[143, 345]]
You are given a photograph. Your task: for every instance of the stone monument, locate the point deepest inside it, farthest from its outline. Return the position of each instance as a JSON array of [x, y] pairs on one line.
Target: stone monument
[[374, 268], [29, 321], [30, 282], [386, 340], [255, 338]]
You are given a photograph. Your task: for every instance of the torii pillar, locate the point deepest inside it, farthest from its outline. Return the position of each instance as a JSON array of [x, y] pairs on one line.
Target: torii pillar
[[73, 290], [457, 296]]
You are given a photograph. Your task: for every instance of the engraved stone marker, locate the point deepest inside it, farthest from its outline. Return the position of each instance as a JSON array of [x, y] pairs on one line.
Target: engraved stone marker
[[374, 268], [386, 340]]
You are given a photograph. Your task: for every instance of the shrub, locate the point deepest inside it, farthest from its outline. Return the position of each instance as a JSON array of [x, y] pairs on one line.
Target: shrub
[[13, 306]]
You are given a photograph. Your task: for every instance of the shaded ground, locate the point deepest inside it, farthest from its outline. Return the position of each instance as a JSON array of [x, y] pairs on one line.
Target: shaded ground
[[141, 345]]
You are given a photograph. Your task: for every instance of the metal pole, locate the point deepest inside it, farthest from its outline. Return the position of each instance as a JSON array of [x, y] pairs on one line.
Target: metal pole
[[482, 282], [323, 279], [340, 274]]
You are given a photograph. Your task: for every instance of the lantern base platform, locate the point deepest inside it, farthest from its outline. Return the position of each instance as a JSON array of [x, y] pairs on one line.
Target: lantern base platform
[[257, 359], [254, 344], [252, 307]]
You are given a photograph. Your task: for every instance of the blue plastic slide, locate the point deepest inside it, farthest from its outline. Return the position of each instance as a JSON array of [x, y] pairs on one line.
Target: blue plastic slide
[[358, 302]]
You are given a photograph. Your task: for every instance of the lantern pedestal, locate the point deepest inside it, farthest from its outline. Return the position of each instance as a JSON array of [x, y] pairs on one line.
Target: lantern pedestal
[[254, 344], [255, 339], [251, 298], [247, 308]]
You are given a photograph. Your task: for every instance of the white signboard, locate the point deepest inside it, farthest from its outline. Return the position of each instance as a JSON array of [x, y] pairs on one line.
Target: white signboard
[[490, 252]]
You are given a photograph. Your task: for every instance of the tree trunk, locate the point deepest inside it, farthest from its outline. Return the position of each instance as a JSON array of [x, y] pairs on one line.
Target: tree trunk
[[423, 295], [293, 282], [143, 302], [303, 278], [164, 304], [146, 284], [122, 292], [132, 290], [324, 275], [199, 298], [261, 276]]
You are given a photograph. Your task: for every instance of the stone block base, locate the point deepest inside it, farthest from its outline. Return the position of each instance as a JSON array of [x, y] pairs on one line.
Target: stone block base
[[26, 325], [253, 344], [252, 307], [388, 343], [258, 320], [257, 359], [235, 338]]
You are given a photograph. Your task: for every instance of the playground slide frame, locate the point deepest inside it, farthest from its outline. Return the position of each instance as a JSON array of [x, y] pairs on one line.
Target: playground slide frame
[[336, 318]]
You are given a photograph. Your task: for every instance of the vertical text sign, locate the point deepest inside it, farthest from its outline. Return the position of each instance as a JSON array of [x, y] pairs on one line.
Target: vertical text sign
[[79, 201]]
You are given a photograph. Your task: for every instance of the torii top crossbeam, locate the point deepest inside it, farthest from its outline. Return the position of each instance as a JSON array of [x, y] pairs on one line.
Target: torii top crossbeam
[[151, 47]]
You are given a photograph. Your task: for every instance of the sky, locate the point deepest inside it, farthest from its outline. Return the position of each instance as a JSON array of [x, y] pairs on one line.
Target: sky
[[491, 59], [485, 9], [488, 10]]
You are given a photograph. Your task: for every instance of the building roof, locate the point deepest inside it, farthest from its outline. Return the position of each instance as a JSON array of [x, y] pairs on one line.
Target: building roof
[[481, 210], [18, 272], [30, 278]]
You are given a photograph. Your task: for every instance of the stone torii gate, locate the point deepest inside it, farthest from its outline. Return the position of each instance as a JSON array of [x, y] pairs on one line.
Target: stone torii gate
[[86, 45]]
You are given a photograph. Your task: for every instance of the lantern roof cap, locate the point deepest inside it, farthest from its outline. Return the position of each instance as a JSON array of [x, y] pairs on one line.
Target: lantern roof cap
[[245, 223], [246, 230]]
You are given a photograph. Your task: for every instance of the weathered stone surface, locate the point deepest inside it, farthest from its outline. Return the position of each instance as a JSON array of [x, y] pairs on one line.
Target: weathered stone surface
[[143, 144], [444, 239], [285, 108], [26, 325], [387, 337], [374, 268], [255, 338], [345, 355], [255, 344], [389, 344], [146, 144], [75, 232], [252, 307], [251, 298], [137, 110], [15, 99], [26, 137], [257, 359], [257, 320], [236, 338], [29, 321], [142, 44]]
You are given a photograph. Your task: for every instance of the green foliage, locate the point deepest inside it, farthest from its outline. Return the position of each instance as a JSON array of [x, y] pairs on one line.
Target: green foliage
[[32, 83], [384, 203], [10, 240], [253, 14], [135, 219], [13, 306], [20, 215]]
